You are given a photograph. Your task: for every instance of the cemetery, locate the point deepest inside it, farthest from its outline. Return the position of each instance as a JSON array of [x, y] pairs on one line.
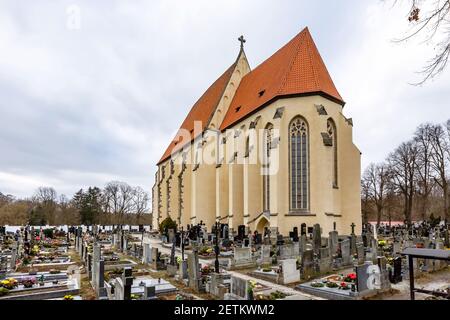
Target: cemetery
[[136, 263]]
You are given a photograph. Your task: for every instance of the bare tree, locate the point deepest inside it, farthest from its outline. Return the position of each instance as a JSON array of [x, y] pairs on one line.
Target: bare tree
[[46, 197], [141, 201], [120, 199], [432, 19], [440, 158], [402, 167], [376, 177], [423, 166], [5, 199], [365, 200]]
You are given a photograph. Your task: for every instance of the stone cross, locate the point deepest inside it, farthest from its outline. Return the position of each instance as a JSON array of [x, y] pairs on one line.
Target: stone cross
[[242, 41]]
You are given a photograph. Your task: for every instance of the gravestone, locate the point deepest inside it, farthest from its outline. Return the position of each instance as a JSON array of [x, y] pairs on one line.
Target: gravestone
[[353, 244], [289, 272], [362, 277], [308, 264], [146, 254], [183, 270], [333, 242], [287, 251], [13, 261], [156, 264], [241, 232], [317, 239], [127, 280], [265, 254], [217, 285], [150, 293], [89, 266], [239, 288], [242, 257], [395, 276], [360, 252], [100, 280], [345, 251], [302, 244], [325, 260], [194, 271], [125, 245], [396, 248], [119, 291]]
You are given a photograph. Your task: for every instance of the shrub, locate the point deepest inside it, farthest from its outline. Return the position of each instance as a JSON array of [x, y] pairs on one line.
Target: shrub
[[48, 233], [167, 224]]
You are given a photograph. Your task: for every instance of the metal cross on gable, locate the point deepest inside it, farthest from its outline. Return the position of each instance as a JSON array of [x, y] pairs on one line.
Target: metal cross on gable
[[242, 41], [353, 225]]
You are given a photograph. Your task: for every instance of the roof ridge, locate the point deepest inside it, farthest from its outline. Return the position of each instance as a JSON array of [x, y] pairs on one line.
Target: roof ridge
[[309, 51], [291, 63], [231, 70]]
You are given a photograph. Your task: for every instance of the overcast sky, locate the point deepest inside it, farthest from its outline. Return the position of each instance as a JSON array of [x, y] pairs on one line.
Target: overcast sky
[[83, 106]]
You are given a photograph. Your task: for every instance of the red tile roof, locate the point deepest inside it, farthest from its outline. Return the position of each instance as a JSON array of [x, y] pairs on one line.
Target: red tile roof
[[202, 111], [295, 69]]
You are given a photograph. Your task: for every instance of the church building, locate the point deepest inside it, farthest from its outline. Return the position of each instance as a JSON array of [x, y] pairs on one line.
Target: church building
[[267, 147]]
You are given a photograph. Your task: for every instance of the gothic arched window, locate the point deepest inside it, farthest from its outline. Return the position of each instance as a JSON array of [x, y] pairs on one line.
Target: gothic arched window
[[299, 164], [331, 129], [268, 137]]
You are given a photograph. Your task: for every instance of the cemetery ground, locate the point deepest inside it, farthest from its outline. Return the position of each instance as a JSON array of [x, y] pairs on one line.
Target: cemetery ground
[[137, 263]]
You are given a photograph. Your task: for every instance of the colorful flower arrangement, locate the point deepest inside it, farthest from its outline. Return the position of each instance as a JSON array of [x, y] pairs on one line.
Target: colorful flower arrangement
[[29, 282], [344, 286], [382, 243], [351, 277], [9, 284], [207, 270]]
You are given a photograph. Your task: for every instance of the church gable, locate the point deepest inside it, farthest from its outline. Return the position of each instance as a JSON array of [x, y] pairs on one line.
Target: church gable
[[241, 68], [295, 69]]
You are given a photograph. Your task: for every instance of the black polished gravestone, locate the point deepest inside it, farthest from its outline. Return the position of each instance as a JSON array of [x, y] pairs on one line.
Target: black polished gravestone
[[241, 232], [310, 232], [280, 240], [395, 275], [303, 229], [178, 239], [293, 235]]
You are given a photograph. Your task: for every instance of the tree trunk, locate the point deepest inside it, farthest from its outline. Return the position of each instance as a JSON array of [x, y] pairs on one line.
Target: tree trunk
[[379, 211], [446, 205]]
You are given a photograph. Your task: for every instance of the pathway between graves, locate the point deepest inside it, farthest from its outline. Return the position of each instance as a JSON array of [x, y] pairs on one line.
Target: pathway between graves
[[157, 243]]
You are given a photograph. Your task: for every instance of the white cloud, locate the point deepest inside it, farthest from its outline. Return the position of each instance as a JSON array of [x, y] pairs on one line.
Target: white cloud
[[82, 107]]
